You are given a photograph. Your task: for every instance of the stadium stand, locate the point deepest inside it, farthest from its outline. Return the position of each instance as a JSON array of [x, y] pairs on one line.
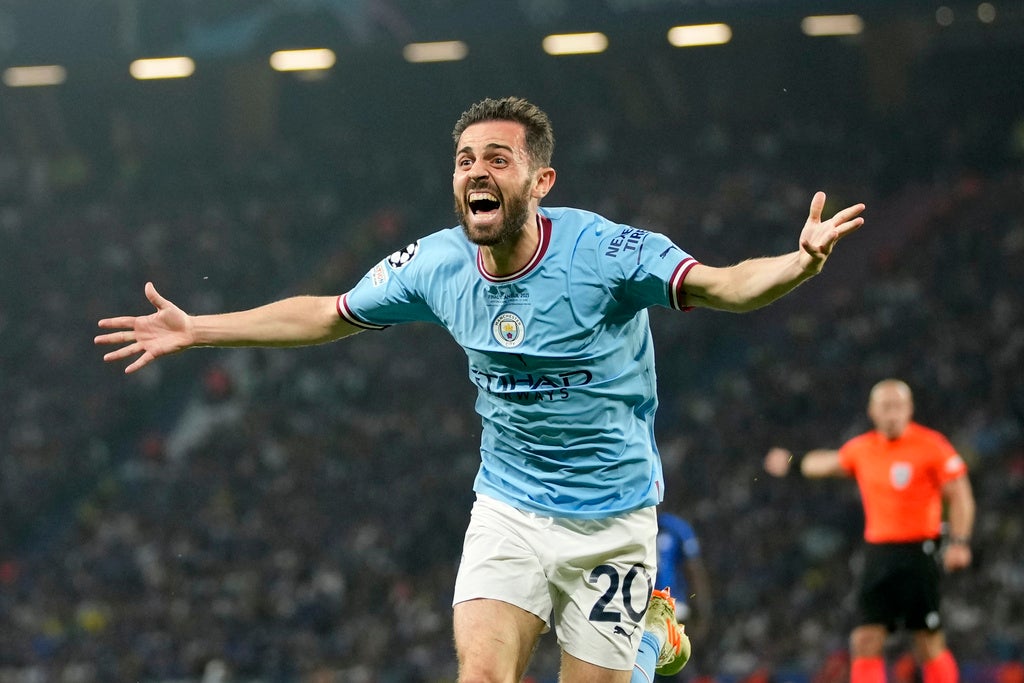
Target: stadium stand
[[253, 515]]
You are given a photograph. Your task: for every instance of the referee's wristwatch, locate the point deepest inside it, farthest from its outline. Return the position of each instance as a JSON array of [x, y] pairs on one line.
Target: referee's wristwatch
[[959, 540]]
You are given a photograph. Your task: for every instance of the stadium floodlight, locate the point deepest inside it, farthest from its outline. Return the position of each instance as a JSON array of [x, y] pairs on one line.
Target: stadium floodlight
[[32, 76], [986, 12], [440, 51], [162, 67], [316, 59], [575, 43], [832, 25], [699, 34]]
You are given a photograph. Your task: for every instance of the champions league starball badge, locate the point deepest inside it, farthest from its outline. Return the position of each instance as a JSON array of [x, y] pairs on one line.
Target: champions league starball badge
[[403, 256], [509, 330]]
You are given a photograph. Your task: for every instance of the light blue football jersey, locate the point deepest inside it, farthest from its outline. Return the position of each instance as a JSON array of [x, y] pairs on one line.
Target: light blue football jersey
[[560, 352]]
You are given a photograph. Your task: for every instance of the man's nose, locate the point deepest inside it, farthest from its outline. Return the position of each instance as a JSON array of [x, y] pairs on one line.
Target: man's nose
[[478, 170]]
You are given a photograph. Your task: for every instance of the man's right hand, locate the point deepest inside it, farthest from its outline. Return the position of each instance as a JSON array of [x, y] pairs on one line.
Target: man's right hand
[[167, 331]]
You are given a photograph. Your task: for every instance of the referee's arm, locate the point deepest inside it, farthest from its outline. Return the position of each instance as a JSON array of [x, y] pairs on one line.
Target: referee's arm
[[959, 499], [820, 463], [815, 464]]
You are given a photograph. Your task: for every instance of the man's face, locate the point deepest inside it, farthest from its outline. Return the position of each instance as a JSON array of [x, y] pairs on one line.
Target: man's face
[[493, 183], [890, 409]]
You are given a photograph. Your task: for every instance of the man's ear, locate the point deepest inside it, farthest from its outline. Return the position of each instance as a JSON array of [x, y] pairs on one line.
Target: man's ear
[[543, 183]]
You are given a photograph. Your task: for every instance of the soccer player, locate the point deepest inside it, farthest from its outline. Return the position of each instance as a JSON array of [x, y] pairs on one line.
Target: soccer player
[[681, 568], [905, 472], [550, 308]]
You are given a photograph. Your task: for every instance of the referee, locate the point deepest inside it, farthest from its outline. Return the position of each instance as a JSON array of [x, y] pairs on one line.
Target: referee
[[905, 473]]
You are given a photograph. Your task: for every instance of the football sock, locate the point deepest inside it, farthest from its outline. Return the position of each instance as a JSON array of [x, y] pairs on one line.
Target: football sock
[[941, 669], [646, 659], [867, 670]]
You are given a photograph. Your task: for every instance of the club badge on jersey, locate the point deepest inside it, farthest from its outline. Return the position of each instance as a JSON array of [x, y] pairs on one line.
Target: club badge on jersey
[[509, 330]]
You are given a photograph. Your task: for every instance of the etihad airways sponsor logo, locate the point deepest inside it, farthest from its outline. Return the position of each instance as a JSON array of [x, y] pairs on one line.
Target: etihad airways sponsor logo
[[529, 386]]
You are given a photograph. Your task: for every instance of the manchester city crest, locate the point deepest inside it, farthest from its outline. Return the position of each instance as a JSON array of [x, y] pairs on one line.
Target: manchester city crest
[[509, 330]]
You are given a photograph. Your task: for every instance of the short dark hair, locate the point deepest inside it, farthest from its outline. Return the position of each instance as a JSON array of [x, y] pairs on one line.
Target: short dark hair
[[540, 136]]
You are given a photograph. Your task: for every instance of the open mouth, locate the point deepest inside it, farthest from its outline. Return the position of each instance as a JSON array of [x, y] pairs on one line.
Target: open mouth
[[483, 202]]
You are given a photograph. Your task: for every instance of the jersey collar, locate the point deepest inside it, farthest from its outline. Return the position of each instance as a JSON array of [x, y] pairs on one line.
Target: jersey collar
[[544, 232]]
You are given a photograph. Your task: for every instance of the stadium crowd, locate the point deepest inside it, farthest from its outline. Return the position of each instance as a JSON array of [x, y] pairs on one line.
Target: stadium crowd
[[279, 516]]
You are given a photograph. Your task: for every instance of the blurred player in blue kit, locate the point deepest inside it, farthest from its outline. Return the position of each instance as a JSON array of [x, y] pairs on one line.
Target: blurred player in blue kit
[[681, 568], [550, 308]]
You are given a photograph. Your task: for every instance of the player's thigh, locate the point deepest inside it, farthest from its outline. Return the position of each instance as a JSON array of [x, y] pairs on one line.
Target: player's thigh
[[577, 671], [494, 640], [603, 576], [501, 559]]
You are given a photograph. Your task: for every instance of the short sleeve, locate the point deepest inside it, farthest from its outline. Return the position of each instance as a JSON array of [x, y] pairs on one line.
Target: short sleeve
[[392, 292], [648, 269]]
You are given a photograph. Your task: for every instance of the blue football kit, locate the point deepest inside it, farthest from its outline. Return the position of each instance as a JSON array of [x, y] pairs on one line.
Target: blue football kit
[[677, 544], [560, 352]]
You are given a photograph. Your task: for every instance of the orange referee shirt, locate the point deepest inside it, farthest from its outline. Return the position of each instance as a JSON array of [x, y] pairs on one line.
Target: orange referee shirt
[[901, 480]]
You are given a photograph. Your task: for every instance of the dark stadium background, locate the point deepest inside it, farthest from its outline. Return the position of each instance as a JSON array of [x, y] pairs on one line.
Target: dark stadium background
[[297, 515]]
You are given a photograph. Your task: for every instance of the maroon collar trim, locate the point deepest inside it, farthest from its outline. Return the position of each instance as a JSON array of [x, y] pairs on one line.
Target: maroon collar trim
[[544, 229]]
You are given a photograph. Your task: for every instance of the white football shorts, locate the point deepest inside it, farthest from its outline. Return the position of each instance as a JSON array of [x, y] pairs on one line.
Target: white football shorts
[[590, 579]]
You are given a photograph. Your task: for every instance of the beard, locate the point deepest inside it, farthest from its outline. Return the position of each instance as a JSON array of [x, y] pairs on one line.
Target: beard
[[514, 208]]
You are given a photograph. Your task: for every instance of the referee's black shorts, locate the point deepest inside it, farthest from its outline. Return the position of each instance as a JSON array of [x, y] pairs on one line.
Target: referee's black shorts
[[900, 586]]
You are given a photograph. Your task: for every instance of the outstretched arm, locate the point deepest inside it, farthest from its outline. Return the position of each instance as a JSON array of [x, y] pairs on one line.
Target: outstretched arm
[[758, 282], [816, 464], [297, 321]]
